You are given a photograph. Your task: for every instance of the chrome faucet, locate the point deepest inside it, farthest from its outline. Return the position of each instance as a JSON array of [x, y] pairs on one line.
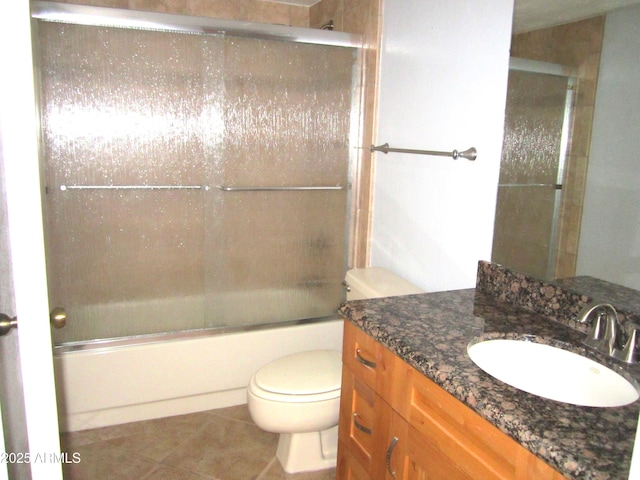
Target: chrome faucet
[[607, 335]]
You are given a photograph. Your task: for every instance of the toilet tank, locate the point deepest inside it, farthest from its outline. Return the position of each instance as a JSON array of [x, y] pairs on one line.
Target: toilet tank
[[375, 282]]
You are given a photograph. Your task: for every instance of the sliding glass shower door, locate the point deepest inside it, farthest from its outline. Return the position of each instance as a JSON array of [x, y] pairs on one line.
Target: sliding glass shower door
[[537, 126], [192, 181]]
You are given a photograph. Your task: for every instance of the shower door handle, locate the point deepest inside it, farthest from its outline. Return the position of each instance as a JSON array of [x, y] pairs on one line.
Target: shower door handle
[[58, 317], [7, 323]]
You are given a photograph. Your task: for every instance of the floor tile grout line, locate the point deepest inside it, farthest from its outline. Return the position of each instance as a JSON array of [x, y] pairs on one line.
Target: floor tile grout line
[[266, 469], [185, 439], [212, 418]]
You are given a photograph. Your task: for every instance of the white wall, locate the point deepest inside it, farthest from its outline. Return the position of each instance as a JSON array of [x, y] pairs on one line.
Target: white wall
[[610, 234], [443, 86]]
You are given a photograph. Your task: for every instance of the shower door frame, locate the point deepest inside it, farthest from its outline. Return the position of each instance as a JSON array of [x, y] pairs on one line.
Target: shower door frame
[[177, 23], [169, 22]]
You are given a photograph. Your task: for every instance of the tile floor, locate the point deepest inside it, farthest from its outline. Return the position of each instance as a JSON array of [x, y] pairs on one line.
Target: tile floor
[[219, 444]]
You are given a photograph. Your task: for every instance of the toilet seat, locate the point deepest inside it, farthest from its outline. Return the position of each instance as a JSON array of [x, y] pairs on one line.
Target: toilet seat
[[288, 398], [302, 377]]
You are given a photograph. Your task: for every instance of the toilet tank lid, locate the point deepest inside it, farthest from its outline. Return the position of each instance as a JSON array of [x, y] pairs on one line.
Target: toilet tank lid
[[374, 282], [303, 373]]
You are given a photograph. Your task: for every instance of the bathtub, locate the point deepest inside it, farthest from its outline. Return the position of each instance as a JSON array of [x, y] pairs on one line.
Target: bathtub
[[172, 374]]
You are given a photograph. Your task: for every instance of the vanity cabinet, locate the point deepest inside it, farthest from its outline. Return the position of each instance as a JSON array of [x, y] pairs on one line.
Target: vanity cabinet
[[396, 423]]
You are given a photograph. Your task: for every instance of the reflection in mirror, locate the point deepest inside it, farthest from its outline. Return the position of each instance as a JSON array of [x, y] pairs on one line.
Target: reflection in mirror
[[610, 233], [549, 236], [537, 121]]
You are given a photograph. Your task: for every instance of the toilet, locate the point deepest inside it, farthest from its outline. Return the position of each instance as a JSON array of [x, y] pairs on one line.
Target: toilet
[[298, 395], [376, 282]]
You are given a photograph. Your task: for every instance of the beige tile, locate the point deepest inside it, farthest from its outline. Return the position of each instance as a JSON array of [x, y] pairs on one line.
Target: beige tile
[[100, 3], [275, 472], [225, 442], [326, 10], [299, 16], [164, 472], [240, 412], [165, 6], [156, 443], [84, 437], [269, 12], [246, 464], [227, 9], [101, 460], [188, 423]]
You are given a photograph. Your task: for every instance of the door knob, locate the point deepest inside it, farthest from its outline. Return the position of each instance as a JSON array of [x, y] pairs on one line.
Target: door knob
[[58, 317], [7, 323]]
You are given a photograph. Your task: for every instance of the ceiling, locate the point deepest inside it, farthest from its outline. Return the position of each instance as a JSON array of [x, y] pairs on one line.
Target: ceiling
[[535, 14]]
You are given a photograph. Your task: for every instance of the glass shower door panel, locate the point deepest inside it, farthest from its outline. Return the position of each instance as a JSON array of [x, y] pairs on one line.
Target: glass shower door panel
[[533, 128], [283, 257], [126, 263], [523, 224], [280, 255], [122, 111], [530, 172]]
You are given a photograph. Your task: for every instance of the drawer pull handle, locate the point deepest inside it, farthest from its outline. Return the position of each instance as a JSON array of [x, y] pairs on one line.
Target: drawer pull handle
[[359, 426], [364, 361], [392, 445]]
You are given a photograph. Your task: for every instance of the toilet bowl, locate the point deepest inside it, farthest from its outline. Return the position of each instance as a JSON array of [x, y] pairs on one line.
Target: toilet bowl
[[298, 396]]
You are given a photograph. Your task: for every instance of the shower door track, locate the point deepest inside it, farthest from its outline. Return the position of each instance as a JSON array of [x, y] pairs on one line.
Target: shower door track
[[108, 344], [168, 22]]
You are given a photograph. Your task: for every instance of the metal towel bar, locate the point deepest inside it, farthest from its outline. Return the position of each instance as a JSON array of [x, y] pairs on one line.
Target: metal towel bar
[[197, 187], [277, 189], [133, 187], [557, 186], [469, 154]]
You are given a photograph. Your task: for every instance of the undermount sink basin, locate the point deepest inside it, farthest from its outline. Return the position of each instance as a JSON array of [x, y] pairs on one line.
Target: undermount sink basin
[[552, 373]]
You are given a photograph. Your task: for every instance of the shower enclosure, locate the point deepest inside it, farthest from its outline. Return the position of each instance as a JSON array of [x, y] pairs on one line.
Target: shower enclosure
[[196, 172], [538, 119]]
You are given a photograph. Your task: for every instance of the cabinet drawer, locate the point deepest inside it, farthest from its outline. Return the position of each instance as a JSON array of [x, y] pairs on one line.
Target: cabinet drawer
[[367, 359]]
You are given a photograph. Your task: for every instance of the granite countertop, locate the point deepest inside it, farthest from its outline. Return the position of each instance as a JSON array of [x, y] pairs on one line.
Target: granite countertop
[[431, 332]]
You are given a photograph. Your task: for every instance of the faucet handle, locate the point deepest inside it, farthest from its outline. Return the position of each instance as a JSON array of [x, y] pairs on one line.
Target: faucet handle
[[595, 335], [605, 326], [629, 352]]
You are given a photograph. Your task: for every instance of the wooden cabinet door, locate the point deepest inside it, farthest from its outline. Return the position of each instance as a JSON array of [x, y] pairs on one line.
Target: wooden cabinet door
[[348, 467], [478, 448], [411, 456]]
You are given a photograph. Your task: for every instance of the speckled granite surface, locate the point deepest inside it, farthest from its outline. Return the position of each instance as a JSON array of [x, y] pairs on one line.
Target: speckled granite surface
[[431, 332], [622, 297], [560, 300]]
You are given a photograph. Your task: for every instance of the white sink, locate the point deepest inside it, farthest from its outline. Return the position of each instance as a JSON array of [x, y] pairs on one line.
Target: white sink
[[553, 373]]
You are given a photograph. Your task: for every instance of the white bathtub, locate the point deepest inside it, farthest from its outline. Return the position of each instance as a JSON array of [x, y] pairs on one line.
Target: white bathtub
[[108, 386]]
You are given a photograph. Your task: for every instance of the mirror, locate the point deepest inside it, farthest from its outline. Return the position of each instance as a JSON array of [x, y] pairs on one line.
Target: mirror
[[571, 207]]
